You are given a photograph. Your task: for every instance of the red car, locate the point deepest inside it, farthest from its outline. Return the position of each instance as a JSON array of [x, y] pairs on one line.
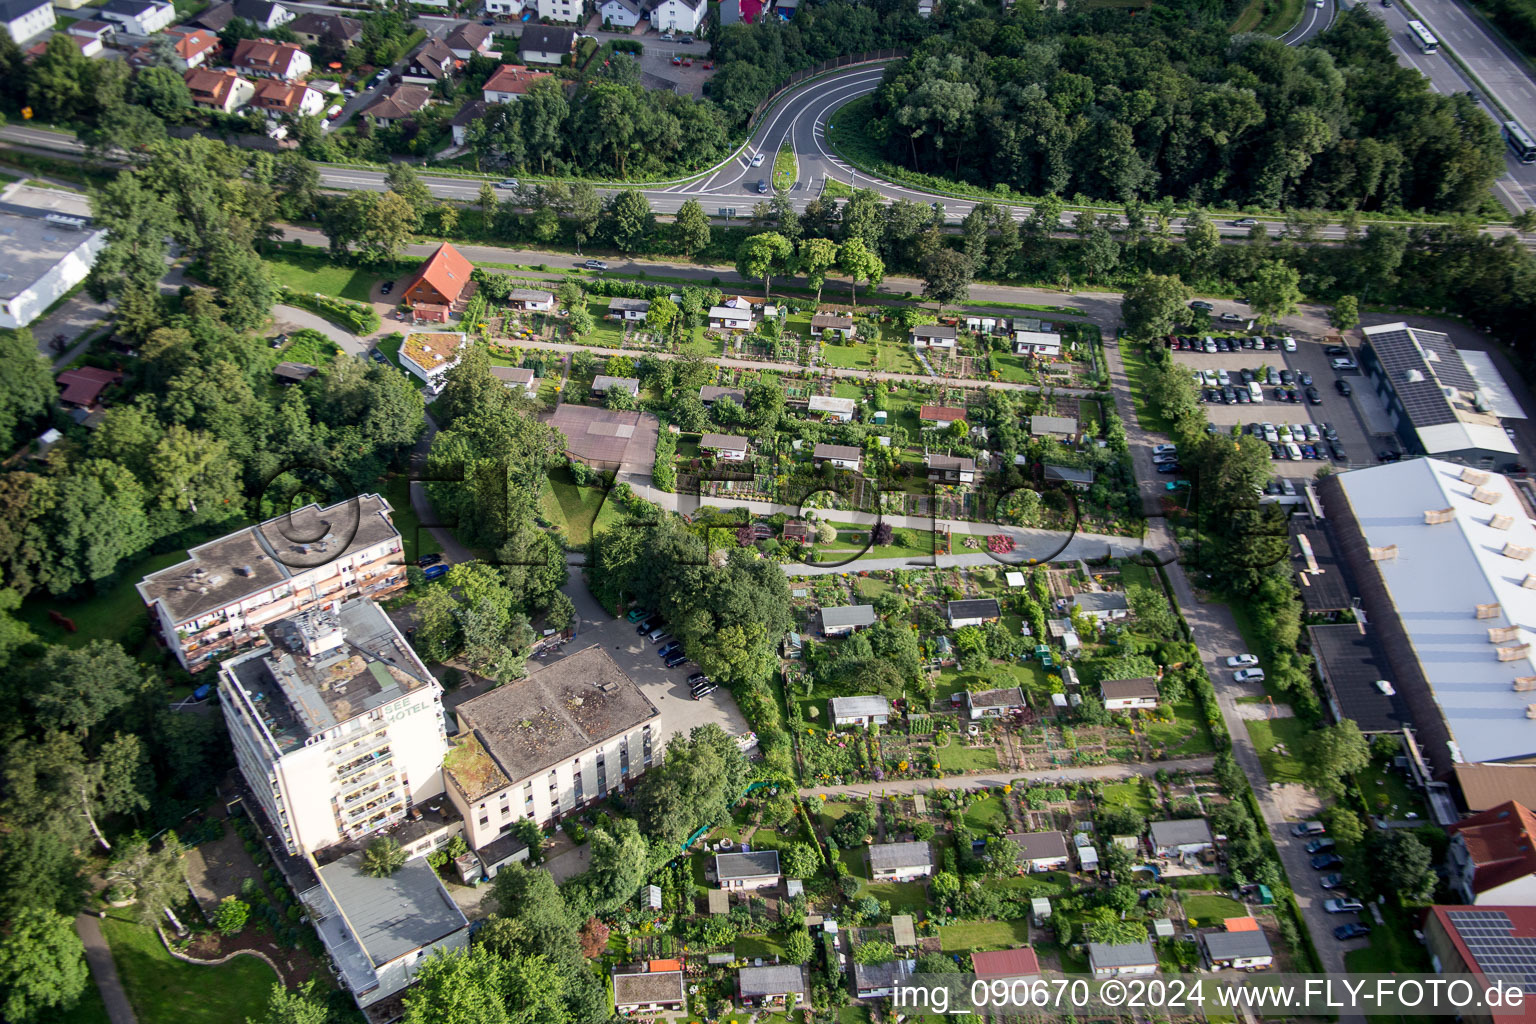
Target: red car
[[677, 61]]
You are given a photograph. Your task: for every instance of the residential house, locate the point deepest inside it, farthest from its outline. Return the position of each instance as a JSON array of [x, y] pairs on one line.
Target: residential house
[[88, 46], [379, 931], [1063, 428], [399, 103], [509, 83], [48, 245], [531, 300], [880, 981], [1479, 941], [101, 31], [1042, 851], [279, 97], [939, 416], [517, 378], [468, 114], [682, 17], [472, 39], [1129, 694], [1492, 857], [1077, 479], [597, 734], [263, 13], [841, 456], [83, 386], [621, 13], [1036, 343], [223, 91], [752, 869], [602, 384], [440, 282], [139, 17], [868, 710], [1180, 837], [432, 62], [567, 11], [648, 992], [900, 862], [1103, 605], [266, 59], [629, 309], [430, 354], [931, 336], [331, 30], [981, 704], [736, 12], [547, 44], [1117, 960], [215, 18], [194, 46], [728, 317], [773, 986], [710, 393], [1006, 965], [839, 410], [504, 8], [1241, 949], [845, 619], [724, 447], [842, 326], [950, 469], [973, 612]]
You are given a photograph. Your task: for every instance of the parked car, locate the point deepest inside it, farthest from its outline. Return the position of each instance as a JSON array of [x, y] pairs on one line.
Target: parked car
[[668, 37], [762, 186], [1308, 828], [1324, 861], [1319, 845], [677, 659], [1246, 375], [1164, 459], [377, 356], [1168, 467], [1333, 881], [1385, 688], [435, 571], [700, 692], [1200, 306], [1231, 318], [1343, 906], [1356, 930], [659, 635], [697, 678], [1337, 451], [637, 615], [1248, 675], [1287, 378], [1290, 395], [595, 265], [666, 649], [1289, 344], [1164, 449], [1313, 397], [1243, 661], [426, 560], [1275, 452], [1308, 452], [1343, 363], [386, 287], [687, 40], [1335, 350]]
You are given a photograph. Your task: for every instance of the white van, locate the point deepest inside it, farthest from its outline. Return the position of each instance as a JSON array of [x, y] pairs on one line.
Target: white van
[[1255, 392]]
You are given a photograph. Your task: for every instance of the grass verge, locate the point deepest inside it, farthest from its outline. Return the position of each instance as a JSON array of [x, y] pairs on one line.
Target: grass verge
[[164, 990]]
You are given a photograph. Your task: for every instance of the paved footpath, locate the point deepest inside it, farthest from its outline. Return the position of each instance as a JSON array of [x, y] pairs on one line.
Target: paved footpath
[[909, 787], [99, 957]]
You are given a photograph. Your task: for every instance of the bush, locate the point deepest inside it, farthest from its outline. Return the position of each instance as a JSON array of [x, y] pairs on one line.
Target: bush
[[354, 316], [231, 916]]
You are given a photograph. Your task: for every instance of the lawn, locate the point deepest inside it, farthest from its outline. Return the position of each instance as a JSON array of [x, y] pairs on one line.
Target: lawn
[[985, 812], [105, 616], [1130, 794], [417, 540], [1266, 733], [307, 346], [785, 169], [1090, 415], [1208, 908], [1137, 371], [973, 935], [955, 758], [90, 1009], [164, 990], [911, 897], [1391, 950], [309, 270], [1186, 736], [765, 946], [1387, 792], [574, 509], [605, 333]]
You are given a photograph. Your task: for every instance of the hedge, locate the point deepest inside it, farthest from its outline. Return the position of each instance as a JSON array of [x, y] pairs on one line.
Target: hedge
[[354, 316]]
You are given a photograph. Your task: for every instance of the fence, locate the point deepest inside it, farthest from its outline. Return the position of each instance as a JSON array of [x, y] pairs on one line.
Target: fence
[[795, 79]]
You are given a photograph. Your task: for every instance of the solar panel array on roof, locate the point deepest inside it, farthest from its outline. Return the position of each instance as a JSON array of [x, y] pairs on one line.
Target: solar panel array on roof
[[1488, 936], [1444, 359], [1413, 378]]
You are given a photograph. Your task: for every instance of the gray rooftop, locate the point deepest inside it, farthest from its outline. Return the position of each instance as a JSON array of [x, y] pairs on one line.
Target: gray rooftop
[[831, 321], [1040, 845], [1180, 832], [652, 987], [367, 922], [848, 615], [934, 331], [1231, 945], [878, 976], [887, 856], [728, 442], [1435, 389], [753, 864], [711, 392], [829, 403], [560, 710], [1124, 689], [951, 462], [221, 572], [603, 382], [361, 663], [1069, 475], [1052, 425], [1350, 658], [1125, 954], [843, 452], [530, 295], [755, 982], [859, 707], [621, 304], [29, 245], [1003, 697], [1101, 601], [975, 608], [1331, 587]]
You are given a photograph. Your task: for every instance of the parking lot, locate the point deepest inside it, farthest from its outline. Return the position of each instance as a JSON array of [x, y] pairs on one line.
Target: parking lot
[[1356, 436]]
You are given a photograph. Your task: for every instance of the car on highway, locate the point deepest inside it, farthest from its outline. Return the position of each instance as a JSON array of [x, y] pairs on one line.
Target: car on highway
[[1248, 675], [1333, 881], [595, 265], [1243, 661], [1323, 861], [757, 161], [1354, 930], [1243, 222]]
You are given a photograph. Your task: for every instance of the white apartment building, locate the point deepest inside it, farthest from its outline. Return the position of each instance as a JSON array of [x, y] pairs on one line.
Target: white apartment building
[[48, 245], [544, 746], [336, 724], [217, 601], [26, 19]]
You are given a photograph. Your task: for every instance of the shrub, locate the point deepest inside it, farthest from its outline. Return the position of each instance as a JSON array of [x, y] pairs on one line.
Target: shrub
[[354, 316], [231, 916]]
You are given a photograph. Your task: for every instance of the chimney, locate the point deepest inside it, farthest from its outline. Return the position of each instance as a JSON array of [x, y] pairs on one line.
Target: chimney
[[1524, 683], [1380, 554], [1514, 653], [1488, 611], [1502, 521], [1503, 634], [1438, 515], [1516, 551], [1474, 477], [1486, 495]]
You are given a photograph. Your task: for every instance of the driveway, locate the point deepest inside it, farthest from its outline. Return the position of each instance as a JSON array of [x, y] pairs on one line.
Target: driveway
[[290, 318]]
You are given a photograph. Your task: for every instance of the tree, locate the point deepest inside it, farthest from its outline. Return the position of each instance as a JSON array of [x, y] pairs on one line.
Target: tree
[[662, 315], [817, 256], [382, 857], [696, 784], [300, 1006], [1346, 312], [855, 260], [594, 938], [461, 986], [1152, 611], [947, 277], [801, 860], [876, 951], [154, 874], [42, 966], [487, 202], [231, 916], [163, 92], [762, 256], [384, 223], [691, 227], [1154, 305], [404, 182], [585, 210], [946, 886], [798, 947], [1275, 291], [628, 221], [619, 864], [1399, 865], [1332, 753], [53, 785]]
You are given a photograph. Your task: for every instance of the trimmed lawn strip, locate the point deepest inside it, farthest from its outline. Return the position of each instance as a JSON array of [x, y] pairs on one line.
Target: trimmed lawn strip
[[1266, 733], [574, 509], [1137, 372], [311, 270], [973, 935], [1208, 908], [164, 990]]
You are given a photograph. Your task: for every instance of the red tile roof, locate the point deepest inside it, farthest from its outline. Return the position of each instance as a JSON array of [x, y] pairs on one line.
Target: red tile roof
[[192, 41], [1522, 922], [940, 412], [1501, 842], [265, 55], [1006, 963], [446, 271], [83, 386], [209, 87], [514, 79], [276, 94]]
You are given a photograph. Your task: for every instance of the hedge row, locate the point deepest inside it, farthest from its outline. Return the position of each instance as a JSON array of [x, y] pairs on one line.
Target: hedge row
[[354, 316]]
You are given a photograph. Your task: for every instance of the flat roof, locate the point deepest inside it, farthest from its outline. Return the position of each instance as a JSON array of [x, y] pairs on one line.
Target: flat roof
[[1180, 832], [1101, 601], [1231, 945], [903, 930], [1436, 577], [726, 442], [848, 615], [843, 452], [974, 608], [1125, 689], [603, 382], [392, 916], [1052, 425], [770, 981], [1039, 845], [1351, 658], [900, 855], [29, 245], [1122, 954], [1435, 389], [222, 572], [1330, 587], [605, 435], [558, 711], [1002, 697], [1492, 385], [858, 707], [829, 403], [649, 987]]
